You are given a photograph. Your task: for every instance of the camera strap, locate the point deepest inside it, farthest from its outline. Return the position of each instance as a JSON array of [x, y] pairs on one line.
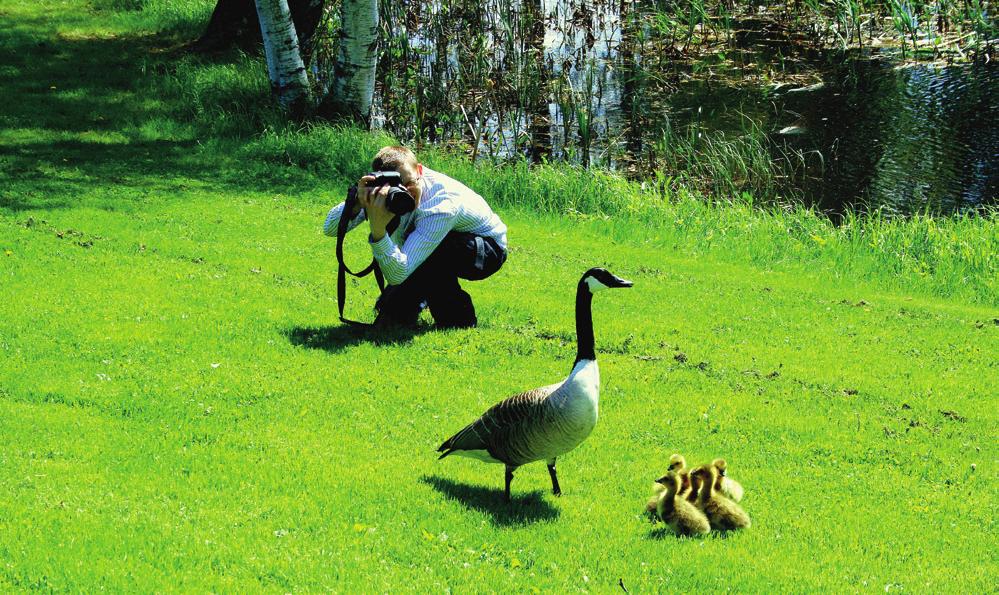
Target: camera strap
[[342, 270]]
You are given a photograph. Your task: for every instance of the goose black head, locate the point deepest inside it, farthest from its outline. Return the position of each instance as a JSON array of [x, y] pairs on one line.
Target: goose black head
[[598, 279]]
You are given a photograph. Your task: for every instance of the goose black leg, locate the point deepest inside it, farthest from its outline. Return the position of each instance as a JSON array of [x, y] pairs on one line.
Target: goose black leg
[[509, 478], [551, 471]]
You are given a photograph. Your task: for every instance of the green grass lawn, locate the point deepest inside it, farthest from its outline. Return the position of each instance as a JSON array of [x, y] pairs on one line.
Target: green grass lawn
[[181, 410]]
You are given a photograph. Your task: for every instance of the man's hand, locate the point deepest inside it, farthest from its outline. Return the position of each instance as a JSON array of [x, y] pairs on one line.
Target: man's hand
[[372, 200], [362, 193]]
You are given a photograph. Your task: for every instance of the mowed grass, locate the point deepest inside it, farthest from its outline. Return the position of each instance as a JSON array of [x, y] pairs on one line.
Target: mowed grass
[[181, 410]]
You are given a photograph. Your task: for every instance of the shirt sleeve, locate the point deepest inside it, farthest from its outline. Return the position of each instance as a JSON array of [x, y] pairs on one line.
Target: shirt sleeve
[[397, 264], [333, 220]]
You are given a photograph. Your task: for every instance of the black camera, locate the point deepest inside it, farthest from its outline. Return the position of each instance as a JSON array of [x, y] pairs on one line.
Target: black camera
[[399, 201]]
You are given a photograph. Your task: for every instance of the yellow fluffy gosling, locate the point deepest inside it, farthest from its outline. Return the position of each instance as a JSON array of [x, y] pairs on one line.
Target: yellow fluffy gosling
[[653, 501], [682, 516], [693, 487], [678, 465], [729, 487], [722, 513]]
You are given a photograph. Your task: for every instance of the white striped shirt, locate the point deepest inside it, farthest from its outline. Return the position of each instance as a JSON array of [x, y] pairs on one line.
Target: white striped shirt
[[446, 205]]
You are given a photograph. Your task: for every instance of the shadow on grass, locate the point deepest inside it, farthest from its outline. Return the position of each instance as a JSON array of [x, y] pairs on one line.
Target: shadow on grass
[[100, 118], [60, 174], [523, 510], [662, 532], [338, 338]]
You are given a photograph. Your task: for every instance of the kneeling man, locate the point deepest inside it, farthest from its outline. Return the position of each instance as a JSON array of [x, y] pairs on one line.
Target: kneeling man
[[451, 234]]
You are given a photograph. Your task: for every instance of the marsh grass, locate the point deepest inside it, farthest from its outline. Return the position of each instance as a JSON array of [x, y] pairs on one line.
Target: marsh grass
[[723, 164], [180, 410]]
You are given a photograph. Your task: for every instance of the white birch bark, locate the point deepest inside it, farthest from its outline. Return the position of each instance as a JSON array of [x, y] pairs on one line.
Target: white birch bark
[[354, 74], [284, 60]]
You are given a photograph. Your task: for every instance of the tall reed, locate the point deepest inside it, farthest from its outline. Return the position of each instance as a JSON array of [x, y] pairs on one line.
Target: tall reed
[[724, 165]]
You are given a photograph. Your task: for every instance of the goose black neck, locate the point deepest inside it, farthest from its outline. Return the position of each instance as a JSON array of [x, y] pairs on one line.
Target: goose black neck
[[584, 324]]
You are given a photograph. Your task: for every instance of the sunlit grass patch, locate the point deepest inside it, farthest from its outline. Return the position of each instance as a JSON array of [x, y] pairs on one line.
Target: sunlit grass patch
[[164, 129], [156, 16], [10, 136]]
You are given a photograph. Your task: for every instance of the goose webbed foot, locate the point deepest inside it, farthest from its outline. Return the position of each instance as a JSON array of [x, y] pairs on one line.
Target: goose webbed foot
[[556, 490]]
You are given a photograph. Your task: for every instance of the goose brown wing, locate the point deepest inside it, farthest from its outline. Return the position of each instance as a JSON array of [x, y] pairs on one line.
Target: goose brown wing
[[492, 429]]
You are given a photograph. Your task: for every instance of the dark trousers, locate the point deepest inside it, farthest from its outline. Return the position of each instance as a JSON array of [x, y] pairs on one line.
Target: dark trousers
[[435, 281]]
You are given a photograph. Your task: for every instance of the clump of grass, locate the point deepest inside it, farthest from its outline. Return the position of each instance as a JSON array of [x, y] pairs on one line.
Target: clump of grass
[[177, 18], [313, 155], [947, 255], [578, 113], [906, 21], [722, 165], [223, 99]]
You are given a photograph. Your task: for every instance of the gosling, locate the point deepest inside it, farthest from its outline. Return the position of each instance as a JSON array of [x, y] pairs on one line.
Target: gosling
[[682, 516], [722, 513], [678, 465], [653, 502], [729, 487], [693, 487]]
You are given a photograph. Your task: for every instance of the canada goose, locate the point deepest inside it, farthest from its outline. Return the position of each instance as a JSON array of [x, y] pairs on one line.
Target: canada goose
[[729, 487], [682, 516], [722, 513], [547, 422]]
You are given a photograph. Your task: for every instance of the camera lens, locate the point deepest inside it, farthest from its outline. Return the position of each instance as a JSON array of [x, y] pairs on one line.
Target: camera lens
[[400, 201]]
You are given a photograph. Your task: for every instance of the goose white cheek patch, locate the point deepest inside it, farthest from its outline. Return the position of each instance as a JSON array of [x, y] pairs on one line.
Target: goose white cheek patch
[[595, 285]]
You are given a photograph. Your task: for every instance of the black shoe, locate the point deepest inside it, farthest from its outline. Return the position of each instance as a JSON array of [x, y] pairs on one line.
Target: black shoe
[[454, 311], [386, 321], [390, 314], [462, 316]]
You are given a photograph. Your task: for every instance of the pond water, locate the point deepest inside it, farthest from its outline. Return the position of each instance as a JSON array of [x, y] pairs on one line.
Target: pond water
[[579, 82], [903, 138]]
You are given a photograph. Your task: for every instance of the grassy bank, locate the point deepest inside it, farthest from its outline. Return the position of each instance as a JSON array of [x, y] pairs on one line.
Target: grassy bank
[[180, 410]]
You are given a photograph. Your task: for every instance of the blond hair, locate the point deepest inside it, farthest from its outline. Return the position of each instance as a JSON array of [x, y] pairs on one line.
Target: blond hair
[[392, 158]]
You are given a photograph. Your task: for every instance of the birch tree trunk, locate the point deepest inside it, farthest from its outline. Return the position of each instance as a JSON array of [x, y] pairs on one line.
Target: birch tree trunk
[[353, 85], [284, 61]]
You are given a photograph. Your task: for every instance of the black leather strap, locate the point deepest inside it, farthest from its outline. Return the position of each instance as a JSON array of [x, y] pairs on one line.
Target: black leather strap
[[342, 270]]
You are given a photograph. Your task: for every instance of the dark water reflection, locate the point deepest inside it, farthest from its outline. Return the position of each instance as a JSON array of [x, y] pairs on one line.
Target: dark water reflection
[[901, 138], [876, 133]]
